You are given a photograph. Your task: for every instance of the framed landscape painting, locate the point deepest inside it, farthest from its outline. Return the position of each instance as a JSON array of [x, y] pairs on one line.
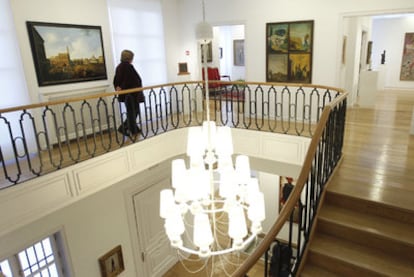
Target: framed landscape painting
[[66, 53], [289, 51]]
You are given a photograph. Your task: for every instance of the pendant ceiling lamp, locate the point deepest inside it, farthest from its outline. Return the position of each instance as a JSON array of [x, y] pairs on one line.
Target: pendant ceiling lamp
[[214, 206]]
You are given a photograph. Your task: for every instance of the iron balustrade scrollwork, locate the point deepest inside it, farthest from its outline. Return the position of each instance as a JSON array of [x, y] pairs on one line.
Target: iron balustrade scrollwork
[[40, 138]]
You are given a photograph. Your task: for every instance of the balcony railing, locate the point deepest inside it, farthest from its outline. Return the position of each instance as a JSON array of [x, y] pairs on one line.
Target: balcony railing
[[41, 138]]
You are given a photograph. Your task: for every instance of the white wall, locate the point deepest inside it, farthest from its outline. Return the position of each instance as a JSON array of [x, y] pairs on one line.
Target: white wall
[[180, 18], [355, 54], [138, 26], [388, 34], [255, 14]]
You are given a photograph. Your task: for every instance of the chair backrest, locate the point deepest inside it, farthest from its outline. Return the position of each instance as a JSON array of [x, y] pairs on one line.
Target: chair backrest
[[213, 75]]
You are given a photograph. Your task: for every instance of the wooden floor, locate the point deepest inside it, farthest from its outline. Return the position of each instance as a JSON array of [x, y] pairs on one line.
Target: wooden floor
[[366, 223], [213, 267], [378, 163]]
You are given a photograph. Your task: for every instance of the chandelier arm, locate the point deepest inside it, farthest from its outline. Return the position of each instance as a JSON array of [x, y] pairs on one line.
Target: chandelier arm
[[228, 261], [218, 252], [188, 269], [228, 258]]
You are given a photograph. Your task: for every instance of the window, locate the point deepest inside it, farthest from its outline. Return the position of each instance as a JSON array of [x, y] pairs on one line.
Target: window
[[42, 259], [13, 84], [138, 26], [14, 88], [5, 268]]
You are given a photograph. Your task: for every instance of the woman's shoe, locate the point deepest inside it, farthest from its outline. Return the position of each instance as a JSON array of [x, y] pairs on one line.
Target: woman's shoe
[[123, 130]]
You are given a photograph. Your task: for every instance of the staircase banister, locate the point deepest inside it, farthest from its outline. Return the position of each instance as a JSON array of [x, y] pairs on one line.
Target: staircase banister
[[295, 194]]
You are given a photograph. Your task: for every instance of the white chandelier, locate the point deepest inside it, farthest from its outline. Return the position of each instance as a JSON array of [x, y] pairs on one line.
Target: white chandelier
[[209, 191], [212, 201]]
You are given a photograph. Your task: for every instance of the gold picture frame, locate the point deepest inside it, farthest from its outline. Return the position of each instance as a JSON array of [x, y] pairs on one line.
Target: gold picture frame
[[112, 263]]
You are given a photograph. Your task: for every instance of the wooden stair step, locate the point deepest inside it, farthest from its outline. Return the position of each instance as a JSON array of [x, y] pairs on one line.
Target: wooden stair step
[[356, 201], [401, 198], [351, 259], [368, 229], [312, 270], [366, 176], [369, 184]]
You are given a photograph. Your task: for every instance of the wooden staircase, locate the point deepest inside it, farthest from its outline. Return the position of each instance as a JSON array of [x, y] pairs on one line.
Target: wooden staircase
[[366, 224], [355, 237]]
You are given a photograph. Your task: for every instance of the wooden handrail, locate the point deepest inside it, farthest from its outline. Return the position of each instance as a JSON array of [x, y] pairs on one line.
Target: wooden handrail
[[106, 94], [295, 194]]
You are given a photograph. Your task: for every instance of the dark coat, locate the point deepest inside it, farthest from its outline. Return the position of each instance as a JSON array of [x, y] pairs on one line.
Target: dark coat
[[126, 77]]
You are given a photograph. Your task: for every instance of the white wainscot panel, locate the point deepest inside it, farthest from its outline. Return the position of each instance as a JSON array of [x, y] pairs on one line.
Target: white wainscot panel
[[29, 201], [272, 146], [154, 150], [283, 149], [102, 171], [246, 142]]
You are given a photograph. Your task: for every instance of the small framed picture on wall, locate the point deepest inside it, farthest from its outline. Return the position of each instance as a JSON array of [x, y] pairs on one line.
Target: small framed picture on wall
[[112, 263]]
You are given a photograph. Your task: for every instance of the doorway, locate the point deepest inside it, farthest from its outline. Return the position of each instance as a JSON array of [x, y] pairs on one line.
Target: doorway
[[157, 256], [230, 51]]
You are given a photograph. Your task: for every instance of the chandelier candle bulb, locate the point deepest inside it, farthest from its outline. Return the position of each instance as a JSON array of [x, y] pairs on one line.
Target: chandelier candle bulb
[[174, 226], [252, 190], [166, 202], [228, 186], [243, 168], [256, 210], [178, 172], [202, 189], [225, 163], [203, 237], [224, 145], [196, 143], [237, 226]]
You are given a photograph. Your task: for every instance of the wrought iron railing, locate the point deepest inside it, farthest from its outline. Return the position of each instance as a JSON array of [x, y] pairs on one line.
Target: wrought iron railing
[[39, 138]]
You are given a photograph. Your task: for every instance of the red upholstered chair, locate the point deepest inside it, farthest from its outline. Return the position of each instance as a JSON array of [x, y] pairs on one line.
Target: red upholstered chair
[[214, 75]]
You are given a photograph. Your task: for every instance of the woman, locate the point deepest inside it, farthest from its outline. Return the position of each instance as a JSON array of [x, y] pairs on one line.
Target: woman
[[126, 77]]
